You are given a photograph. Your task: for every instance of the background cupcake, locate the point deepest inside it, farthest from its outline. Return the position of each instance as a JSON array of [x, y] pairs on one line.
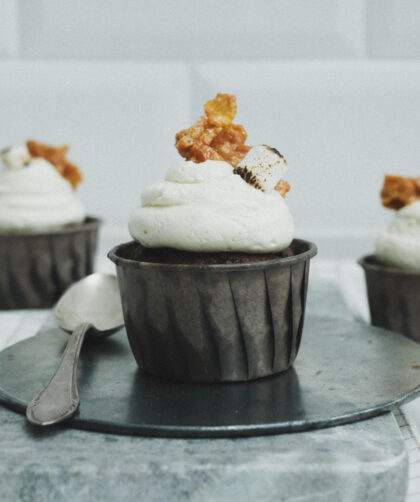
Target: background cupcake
[[46, 240], [393, 273], [214, 286]]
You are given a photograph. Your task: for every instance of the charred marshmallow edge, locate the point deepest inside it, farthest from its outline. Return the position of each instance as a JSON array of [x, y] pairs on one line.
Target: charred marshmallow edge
[[262, 167]]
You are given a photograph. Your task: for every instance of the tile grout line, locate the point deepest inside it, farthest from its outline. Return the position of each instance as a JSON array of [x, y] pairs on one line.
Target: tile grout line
[[410, 429]]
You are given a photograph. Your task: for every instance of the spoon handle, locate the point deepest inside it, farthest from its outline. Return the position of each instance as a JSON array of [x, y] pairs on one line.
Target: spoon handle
[[60, 397]]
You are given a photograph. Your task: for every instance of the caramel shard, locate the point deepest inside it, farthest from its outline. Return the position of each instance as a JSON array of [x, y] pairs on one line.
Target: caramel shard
[[229, 143], [282, 188], [57, 157], [214, 136], [221, 110], [398, 191]]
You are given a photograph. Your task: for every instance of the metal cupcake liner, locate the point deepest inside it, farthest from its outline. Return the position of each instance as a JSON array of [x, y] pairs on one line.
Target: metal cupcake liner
[[394, 297], [37, 267], [213, 323]]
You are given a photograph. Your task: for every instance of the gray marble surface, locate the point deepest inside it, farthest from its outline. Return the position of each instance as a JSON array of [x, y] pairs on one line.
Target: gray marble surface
[[365, 461], [359, 462]]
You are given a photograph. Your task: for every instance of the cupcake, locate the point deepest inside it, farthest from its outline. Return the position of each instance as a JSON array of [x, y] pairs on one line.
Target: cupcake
[[393, 272], [214, 285], [46, 240]]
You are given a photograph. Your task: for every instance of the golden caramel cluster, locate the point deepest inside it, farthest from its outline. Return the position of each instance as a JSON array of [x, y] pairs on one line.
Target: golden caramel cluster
[[398, 191], [57, 157], [282, 188], [214, 136]]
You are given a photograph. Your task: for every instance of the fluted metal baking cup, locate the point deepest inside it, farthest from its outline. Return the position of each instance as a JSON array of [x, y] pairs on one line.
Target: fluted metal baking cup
[[37, 267], [394, 297], [214, 323]]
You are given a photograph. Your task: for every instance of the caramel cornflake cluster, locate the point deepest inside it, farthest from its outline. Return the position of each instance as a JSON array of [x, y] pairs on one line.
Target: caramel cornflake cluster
[[398, 191], [221, 110], [214, 136], [57, 157]]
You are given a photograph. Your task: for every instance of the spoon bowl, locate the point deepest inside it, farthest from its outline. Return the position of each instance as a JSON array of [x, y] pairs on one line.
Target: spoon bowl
[[91, 305], [94, 299]]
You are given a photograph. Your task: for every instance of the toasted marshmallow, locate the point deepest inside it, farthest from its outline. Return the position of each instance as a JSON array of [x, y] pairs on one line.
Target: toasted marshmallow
[[16, 156], [262, 167]]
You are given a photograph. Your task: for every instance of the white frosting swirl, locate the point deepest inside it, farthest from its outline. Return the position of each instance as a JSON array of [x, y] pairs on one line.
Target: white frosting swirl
[[399, 245], [207, 208], [34, 196]]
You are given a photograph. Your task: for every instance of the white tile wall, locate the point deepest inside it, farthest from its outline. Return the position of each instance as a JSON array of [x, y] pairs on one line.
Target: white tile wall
[[341, 126], [96, 74], [119, 119], [192, 29], [9, 33], [394, 29], [210, 29]]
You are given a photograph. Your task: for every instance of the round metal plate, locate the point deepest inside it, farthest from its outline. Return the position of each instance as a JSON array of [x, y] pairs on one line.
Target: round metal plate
[[345, 371]]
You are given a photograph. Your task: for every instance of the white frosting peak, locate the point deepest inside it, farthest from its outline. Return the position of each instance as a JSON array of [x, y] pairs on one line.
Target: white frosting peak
[[206, 207], [34, 196], [399, 245]]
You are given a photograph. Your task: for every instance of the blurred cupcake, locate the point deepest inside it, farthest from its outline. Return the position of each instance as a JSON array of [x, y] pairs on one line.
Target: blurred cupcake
[[214, 286], [46, 240], [393, 272]]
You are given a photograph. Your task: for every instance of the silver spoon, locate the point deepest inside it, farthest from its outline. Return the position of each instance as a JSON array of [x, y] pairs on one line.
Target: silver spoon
[[92, 304]]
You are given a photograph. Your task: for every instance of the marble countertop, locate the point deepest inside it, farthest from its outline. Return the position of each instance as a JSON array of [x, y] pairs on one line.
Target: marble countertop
[[336, 463]]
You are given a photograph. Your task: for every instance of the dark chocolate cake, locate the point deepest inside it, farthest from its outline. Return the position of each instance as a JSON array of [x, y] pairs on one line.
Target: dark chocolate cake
[[178, 257]]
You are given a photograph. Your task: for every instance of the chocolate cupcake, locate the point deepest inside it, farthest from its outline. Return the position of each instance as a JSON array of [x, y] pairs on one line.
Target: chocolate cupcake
[[46, 240], [393, 272], [214, 285]]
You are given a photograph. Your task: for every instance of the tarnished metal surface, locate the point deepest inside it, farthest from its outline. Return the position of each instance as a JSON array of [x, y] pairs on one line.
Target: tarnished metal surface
[[214, 323], [36, 268], [394, 297], [345, 371]]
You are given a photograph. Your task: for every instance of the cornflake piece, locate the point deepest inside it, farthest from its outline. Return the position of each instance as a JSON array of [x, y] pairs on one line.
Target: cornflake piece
[[398, 191], [221, 110], [57, 157], [214, 137], [282, 188]]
